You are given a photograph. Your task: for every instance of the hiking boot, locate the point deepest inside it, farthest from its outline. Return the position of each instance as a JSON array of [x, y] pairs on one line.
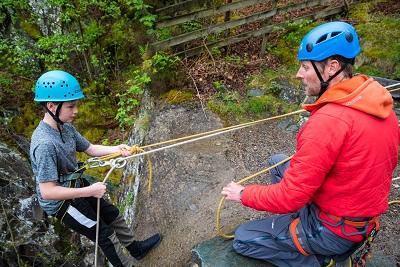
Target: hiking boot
[[345, 263], [139, 249]]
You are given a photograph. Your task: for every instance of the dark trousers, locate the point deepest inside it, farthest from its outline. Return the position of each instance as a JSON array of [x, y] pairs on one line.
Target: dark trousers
[[269, 239], [81, 216]]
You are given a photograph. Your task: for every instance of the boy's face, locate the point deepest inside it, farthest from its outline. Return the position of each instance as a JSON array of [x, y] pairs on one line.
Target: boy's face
[[68, 111]]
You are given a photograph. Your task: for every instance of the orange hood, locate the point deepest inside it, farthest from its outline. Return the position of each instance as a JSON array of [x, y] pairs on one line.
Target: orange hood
[[361, 93]]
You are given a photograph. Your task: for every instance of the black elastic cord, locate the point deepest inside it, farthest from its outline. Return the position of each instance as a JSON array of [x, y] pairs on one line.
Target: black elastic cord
[[57, 118], [325, 84]]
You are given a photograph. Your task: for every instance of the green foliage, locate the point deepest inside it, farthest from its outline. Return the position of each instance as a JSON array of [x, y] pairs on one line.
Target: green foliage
[[266, 103], [93, 40], [219, 86], [236, 60], [191, 26], [162, 33], [56, 49], [142, 12], [160, 62], [140, 78], [128, 100], [286, 46], [215, 51]]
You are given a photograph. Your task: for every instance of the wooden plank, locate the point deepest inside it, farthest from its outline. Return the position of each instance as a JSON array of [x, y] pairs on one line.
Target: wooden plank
[[174, 7], [207, 13], [186, 37], [267, 29]]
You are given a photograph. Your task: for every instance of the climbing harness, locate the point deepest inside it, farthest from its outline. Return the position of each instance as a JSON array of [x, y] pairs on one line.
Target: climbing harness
[[361, 255], [358, 223]]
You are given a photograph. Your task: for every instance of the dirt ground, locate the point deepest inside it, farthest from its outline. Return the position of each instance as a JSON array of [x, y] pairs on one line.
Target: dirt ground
[[188, 180]]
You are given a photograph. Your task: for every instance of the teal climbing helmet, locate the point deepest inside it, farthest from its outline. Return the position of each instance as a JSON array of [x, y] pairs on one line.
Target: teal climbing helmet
[[329, 39], [57, 86]]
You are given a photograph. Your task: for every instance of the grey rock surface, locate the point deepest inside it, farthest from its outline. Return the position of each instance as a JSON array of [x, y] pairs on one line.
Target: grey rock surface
[[187, 180], [218, 252]]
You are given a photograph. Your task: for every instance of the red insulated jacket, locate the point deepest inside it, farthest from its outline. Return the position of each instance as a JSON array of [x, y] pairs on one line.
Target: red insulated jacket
[[345, 156]]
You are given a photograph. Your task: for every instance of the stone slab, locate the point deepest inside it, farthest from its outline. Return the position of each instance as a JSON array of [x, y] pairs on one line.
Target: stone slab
[[218, 252]]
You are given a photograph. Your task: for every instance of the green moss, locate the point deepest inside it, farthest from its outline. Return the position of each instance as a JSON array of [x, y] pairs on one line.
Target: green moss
[[27, 120], [126, 203], [360, 12], [232, 107], [285, 46], [269, 78], [380, 51], [177, 96], [31, 29]]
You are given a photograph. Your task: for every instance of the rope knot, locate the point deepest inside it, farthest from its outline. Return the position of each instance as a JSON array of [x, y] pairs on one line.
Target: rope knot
[[136, 149]]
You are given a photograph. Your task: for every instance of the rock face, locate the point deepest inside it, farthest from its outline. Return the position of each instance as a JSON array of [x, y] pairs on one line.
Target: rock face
[[26, 235], [187, 180]]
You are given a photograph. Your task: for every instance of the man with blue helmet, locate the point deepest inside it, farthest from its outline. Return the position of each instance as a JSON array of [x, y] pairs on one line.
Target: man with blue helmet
[[62, 190], [336, 186]]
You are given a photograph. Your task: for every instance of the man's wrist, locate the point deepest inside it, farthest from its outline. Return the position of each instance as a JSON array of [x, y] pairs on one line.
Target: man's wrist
[[241, 193]]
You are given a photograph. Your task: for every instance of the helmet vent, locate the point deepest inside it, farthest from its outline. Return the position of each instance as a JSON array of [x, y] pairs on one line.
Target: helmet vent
[[333, 34], [309, 47], [349, 37], [322, 38]]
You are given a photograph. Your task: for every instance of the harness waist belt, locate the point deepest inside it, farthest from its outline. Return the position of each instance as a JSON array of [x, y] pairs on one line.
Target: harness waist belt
[[353, 221]]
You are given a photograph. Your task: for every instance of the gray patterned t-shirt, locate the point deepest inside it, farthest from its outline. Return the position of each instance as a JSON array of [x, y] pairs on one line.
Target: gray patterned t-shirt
[[51, 158]]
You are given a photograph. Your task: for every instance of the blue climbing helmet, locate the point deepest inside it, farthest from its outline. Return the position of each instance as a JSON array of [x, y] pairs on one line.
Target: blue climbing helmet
[[57, 86], [329, 39]]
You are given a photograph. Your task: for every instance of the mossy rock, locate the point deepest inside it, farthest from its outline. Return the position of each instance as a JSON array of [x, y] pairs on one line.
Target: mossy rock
[[177, 96]]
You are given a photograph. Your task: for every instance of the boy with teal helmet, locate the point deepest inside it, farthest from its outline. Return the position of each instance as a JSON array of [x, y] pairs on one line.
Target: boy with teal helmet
[[325, 198], [63, 192]]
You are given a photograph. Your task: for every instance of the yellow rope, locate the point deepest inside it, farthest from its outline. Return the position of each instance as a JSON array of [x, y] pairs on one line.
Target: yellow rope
[[137, 149], [394, 202], [227, 128], [221, 203]]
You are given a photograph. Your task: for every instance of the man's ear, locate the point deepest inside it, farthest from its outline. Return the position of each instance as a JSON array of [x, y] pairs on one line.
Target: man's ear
[[333, 67]]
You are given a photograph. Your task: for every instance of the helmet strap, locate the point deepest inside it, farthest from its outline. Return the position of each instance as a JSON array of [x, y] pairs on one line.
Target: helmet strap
[[56, 118], [325, 84]]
